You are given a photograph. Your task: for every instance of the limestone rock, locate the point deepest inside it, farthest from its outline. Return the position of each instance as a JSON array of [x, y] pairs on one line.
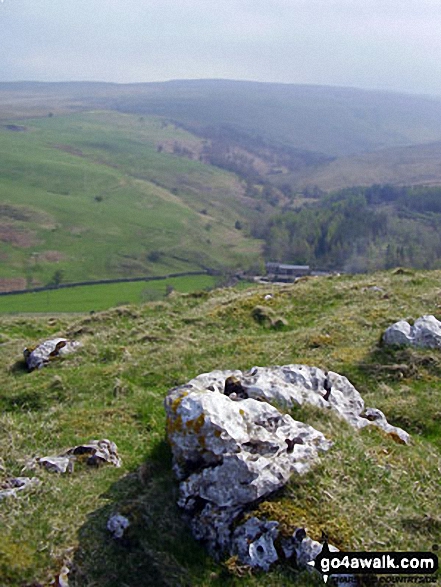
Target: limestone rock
[[426, 332], [292, 385], [253, 542], [213, 526], [56, 464], [95, 453], [42, 354], [117, 525], [98, 452], [375, 416], [231, 453], [232, 447], [11, 487]]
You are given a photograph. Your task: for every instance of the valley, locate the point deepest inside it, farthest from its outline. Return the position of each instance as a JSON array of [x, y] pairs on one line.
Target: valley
[[169, 190], [104, 181]]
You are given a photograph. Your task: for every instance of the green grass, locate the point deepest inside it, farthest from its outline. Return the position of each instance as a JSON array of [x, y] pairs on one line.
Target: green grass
[[368, 493], [89, 194], [89, 298]]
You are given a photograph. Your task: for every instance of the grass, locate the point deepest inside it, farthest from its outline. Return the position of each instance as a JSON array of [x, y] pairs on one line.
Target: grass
[[89, 194], [89, 298], [368, 493]]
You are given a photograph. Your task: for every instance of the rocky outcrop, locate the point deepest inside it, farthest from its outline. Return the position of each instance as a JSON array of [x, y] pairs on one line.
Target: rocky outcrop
[[233, 447], [425, 332], [293, 385]]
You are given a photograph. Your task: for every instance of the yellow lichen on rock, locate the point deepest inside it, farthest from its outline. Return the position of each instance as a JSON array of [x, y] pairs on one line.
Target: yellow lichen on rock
[[173, 426]]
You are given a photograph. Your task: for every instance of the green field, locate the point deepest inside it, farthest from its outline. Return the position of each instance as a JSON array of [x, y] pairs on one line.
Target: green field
[[89, 298], [101, 195]]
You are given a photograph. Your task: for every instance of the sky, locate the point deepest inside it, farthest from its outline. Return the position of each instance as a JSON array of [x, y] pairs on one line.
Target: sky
[[373, 44]]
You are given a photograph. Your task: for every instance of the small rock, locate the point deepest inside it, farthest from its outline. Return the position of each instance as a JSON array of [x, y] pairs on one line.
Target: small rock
[[99, 451], [56, 464], [62, 579], [253, 542], [11, 487], [42, 354], [117, 525]]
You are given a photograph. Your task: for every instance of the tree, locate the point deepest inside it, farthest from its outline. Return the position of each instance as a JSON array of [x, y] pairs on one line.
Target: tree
[[57, 278]]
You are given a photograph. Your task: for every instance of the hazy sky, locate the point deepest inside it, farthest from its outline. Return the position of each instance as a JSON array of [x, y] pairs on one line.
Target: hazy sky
[[379, 44]]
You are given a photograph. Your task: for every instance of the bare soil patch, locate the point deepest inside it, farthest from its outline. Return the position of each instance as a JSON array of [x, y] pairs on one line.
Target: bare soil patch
[[52, 256], [19, 237], [26, 214], [12, 283]]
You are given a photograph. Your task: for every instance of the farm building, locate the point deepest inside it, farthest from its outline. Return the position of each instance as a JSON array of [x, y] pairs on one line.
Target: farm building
[[284, 272]]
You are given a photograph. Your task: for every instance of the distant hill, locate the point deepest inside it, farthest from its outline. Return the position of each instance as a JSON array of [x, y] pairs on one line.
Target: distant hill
[[412, 165], [330, 120]]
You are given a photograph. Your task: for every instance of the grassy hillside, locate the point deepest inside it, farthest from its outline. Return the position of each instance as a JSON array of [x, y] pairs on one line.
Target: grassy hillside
[[331, 120], [412, 165], [100, 194], [290, 136], [369, 493]]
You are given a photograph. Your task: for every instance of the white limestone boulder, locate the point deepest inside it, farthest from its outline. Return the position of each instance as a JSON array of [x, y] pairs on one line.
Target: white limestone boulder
[[39, 356], [425, 333], [291, 385], [231, 453], [233, 447]]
